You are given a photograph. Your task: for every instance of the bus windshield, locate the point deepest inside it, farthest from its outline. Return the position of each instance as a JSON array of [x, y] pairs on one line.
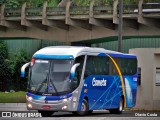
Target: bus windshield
[[50, 76]]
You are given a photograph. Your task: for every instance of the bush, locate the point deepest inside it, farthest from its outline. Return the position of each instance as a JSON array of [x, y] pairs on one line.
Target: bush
[[15, 65], [4, 70]]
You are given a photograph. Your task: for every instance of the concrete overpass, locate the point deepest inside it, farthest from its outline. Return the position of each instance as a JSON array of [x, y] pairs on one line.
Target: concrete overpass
[[76, 23]]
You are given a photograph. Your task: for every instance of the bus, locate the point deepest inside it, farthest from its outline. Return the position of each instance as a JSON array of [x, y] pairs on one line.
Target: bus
[[80, 80]]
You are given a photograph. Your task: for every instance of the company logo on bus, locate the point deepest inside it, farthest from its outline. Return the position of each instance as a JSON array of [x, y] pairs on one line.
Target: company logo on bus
[[99, 82]]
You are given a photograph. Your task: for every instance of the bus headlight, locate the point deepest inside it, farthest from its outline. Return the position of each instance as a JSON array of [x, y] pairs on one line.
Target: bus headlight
[[29, 98], [64, 107], [29, 105], [74, 99], [65, 100]]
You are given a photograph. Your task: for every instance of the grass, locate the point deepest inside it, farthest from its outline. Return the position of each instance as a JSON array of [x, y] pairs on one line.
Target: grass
[[13, 97]]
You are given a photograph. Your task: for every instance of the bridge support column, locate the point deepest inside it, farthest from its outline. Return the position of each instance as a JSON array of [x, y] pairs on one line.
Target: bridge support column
[[146, 21], [126, 22], [115, 11], [9, 24], [52, 23], [2, 6], [75, 22], [99, 22], [28, 23]]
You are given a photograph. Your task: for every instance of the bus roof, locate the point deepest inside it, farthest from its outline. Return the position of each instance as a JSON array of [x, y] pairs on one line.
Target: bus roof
[[73, 51]]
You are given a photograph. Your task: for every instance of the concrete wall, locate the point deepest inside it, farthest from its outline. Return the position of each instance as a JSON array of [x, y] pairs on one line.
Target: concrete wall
[[148, 96]]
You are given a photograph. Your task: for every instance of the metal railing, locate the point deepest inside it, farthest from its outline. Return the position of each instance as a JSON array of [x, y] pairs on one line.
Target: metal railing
[[78, 10], [151, 6], [12, 12], [102, 10], [130, 9], [33, 11], [52, 11]]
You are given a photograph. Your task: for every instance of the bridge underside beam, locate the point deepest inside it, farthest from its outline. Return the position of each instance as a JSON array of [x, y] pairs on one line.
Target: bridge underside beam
[[149, 22], [152, 22], [36, 24], [132, 23], [79, 23], [55, 23], [3, 28], [13, 25], [75, 34], [103, 23]]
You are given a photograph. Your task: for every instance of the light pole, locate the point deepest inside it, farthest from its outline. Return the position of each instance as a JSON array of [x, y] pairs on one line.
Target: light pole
[[120, 25]]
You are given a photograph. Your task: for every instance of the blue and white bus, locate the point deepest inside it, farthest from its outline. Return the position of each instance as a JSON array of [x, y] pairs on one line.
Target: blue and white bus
[[80, 80]]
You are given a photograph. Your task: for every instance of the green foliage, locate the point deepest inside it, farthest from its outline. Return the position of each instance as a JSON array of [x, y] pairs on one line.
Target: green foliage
[[13, 3], [3, 51], [14, 97], [53, 3], [30, 3], [35, 3], [10, 69], [81, 2], [4, 70], [15, 65]]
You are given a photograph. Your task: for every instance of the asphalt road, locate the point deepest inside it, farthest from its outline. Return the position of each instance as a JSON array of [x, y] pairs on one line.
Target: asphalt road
[[96, 115]]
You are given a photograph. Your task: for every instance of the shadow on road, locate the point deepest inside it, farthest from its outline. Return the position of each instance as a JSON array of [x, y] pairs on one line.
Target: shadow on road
[[94, 114]]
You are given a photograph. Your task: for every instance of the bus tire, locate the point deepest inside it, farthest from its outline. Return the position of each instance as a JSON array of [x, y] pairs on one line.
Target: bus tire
[[84, 108], [119, 109], [90, 112], [46, 113]]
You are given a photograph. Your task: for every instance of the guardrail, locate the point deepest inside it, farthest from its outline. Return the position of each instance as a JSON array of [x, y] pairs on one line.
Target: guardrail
[[103, 10], [12, 12], [52, 11], [57, 11], [78, 10], [33, 11], [129, 8]]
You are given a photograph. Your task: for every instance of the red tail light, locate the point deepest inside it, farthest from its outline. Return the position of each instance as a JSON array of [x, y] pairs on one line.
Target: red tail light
[[32, 62]]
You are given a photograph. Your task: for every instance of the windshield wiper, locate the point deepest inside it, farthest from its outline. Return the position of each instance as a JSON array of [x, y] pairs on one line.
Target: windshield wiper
[[44, 81], [50, 81], [53, 86]]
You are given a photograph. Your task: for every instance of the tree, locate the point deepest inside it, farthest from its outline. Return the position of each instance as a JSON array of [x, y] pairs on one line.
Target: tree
[[15, 67], [4, 71]]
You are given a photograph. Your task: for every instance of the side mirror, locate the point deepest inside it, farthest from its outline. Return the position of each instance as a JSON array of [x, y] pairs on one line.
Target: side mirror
[[23, 68], [74, 83], [73, 69]]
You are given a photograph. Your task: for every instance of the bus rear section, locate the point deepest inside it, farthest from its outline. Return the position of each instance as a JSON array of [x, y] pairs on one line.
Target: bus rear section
[[110, 82]]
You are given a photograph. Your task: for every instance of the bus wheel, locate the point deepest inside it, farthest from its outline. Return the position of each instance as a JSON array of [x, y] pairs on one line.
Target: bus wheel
[[46, 113], [84, 108], [90, 112], [119, 109]]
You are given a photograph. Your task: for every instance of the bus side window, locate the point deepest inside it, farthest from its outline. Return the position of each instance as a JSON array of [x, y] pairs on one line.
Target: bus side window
[[76, 80], [128, 66], [89, 67], [97, 65], [80, 60]]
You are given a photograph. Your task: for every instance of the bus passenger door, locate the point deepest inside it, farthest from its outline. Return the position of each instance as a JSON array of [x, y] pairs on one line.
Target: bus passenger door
[[98, 81]]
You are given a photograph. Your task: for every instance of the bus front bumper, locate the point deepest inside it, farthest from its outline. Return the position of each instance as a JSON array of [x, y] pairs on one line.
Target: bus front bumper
[[61, 105]]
